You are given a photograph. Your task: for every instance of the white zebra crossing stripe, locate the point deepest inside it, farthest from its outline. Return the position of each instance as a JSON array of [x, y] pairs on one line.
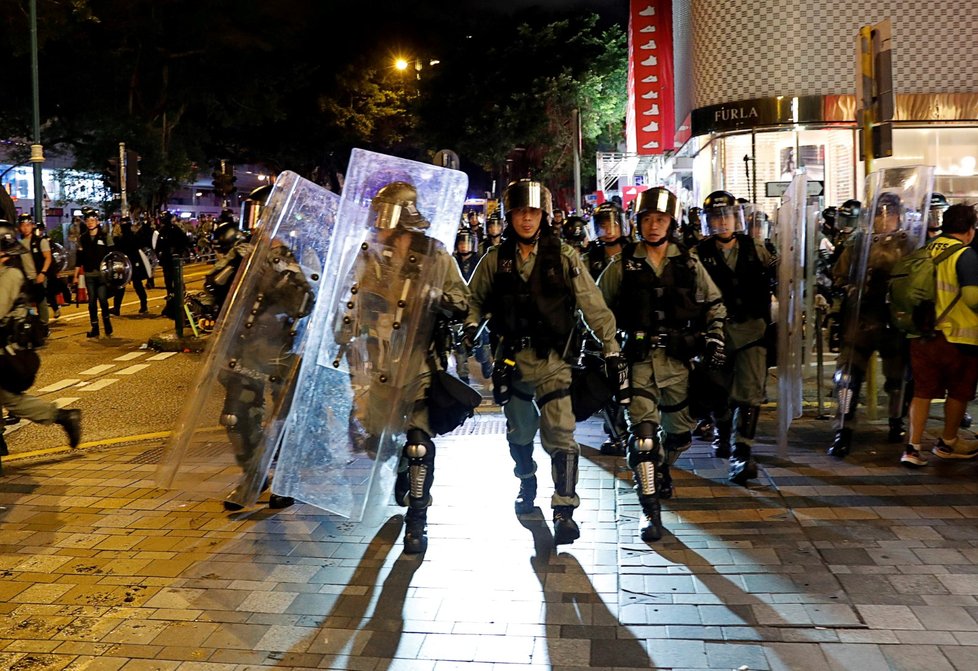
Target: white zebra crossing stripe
[[100, 384], [57, 386], [67, 400], [161, 356], [96, 370], [130, 356], [132, 369]]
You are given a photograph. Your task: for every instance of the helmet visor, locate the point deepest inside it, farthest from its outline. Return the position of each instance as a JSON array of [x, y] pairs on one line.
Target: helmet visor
[[722, 221]]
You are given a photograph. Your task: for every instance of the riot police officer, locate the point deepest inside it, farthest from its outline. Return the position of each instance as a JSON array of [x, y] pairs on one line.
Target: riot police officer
[[743, 269], [531, 286], [574, 232], [398, 233], [494, 233], [935, 215], [668, 311], [611, 234], [866, 326], [93, 245], [39, 246]]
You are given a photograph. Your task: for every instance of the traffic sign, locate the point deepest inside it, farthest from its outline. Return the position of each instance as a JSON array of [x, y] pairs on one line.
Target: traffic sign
[[777, 189]]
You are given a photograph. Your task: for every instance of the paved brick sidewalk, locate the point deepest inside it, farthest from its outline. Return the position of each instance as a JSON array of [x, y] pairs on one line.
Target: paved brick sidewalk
[[820, 565]]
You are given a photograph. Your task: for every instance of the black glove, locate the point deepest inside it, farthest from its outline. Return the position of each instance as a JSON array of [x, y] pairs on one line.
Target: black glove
[[616, 368], [716, 352], [468, 337]]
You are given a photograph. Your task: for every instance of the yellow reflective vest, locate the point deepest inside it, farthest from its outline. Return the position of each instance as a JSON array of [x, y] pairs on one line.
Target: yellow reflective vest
[[960, 324]]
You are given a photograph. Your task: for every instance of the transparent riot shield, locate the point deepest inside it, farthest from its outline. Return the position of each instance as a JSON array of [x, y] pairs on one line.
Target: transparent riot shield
[[893, 224], [791, 231], [232, 420], [358, 382]]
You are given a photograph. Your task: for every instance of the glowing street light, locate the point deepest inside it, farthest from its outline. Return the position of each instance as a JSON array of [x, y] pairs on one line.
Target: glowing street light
[[401, 64]]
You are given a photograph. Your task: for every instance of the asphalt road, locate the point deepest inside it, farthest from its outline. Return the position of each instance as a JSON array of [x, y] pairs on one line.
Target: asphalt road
[[124, 389]]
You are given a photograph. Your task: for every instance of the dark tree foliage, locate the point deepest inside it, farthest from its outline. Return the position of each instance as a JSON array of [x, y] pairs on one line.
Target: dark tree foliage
[[292, 85]]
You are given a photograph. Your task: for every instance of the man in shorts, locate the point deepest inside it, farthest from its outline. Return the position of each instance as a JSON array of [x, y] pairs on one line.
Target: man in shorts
[[948, 361]]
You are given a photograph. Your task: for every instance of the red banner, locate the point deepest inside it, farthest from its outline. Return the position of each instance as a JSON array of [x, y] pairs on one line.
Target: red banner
[[651, 110]]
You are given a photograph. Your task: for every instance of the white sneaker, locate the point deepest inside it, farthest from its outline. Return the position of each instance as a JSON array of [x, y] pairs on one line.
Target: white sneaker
[[959, 449]]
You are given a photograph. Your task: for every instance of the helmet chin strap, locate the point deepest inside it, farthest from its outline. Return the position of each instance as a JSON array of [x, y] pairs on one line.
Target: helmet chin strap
[[726, 239], [658, 243]]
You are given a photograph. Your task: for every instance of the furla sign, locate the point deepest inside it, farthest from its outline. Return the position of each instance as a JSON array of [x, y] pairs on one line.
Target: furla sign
[[775, 111]]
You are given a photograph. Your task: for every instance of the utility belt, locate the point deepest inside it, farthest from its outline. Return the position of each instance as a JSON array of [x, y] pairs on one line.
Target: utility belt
[[638, 345]]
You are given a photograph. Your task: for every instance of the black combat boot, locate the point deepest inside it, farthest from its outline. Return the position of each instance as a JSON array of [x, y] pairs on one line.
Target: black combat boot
[[652, 509], [94, 333], [415, 530], [721, 444], [663, 481], [524, 504], [742, 466], [613, 448], [525, 469], [70, 421], [704, 429], [108, 326], [897, 432], [842, 443], [276, 502], [565, 528]]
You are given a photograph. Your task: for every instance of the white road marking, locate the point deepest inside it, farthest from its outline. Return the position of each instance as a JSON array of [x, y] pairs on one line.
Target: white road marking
[[129, 357], [96, 370], [67, 400], [58, 386], [101, 384], [132, 369], [161, 356]]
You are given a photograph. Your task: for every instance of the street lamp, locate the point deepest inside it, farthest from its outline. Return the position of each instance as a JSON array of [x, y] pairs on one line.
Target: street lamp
[[401, 64]]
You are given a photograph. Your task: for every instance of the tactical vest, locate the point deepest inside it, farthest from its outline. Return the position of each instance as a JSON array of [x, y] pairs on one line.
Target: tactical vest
[[596, 258], [746, 288], [466, 266], [655, 304], [36, 252], [541, 308]]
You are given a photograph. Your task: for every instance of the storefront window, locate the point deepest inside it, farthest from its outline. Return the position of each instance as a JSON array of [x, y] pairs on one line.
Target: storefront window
[[952, 151]]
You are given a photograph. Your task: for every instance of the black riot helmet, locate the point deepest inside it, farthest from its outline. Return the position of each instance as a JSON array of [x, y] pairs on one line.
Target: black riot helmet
[[658, 199], [396, 205], [662, 200], [528, 193], [605, 217], [494, 225], [464, 241], [9, 244], [717, 207], [847, 216], [935, 216], [828, 218], [574, 230], [227, 235]]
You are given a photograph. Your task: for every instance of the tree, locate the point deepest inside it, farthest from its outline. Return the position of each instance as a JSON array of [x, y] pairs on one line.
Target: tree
[[522, 94]]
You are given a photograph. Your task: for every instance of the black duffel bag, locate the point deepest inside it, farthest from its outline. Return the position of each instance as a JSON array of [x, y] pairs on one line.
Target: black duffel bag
[[18, 369], [590, 389], [450, 402]]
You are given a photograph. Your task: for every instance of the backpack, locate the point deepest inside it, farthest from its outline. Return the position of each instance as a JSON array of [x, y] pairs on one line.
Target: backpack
[[912, 291]]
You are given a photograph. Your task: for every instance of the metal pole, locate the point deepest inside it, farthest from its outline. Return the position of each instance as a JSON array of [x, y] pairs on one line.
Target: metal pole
[[577, 159], [123, 176], [37, 150], [866, 124]]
